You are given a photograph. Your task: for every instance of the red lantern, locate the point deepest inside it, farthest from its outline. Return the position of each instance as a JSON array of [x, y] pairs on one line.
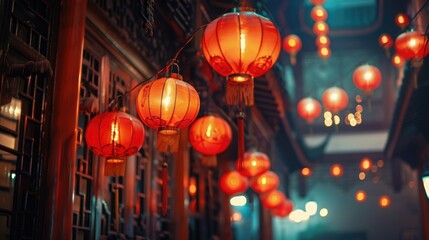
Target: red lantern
[[410, 45], [233, 182], [273, 199], [397, 61], [265, 182], [336, 170], [114, 136], [210, 135], [367, 78], [284, 209], [335, 99], [292, 44], [241, 45], [167, 105], [324, 52], [385, 40], [320, 28], [309, 109], [402, 20], [317, 2], [318, 13], [253, 164], [322, 41]]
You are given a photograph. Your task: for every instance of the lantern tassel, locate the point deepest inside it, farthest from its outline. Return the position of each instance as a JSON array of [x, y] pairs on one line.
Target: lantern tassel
[[240, 125], [209, 160], [293, 58], [114, 167], [116, 189], [164, 192], [168, 140], [239, 89]]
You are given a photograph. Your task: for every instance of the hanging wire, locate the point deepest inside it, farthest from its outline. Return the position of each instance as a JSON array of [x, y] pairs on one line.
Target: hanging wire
[[413, 18]]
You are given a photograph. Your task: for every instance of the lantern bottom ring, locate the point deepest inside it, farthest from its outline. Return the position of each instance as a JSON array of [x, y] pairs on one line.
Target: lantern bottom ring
[[168, 130], [114, 160], [239, 77]]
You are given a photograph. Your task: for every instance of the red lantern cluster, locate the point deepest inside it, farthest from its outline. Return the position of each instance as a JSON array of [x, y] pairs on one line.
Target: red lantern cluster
[[411, 45], [233, 182], [254, 164], [265, 182], [321, 29]]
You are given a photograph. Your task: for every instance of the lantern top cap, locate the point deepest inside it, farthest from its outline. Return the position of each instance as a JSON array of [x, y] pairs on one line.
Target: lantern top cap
[[243, 9]]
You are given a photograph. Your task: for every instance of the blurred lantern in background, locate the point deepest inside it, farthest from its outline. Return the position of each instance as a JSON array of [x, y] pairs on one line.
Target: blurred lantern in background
[[233, 182], [367, 78], [411, 45], [365, 164], [167, 105], [306, 171], [385, 41], [318, 13], [320, 28], [272, 199], [265, 182], [398, 61], [335, 99], [322, 41], [402, 20], [254, 164], [317, 2], [324, 52], [336, 170], [114, 136], [284, 209], [292, 44], [360, 196], [210, 135], [309, 109], [384, 201]]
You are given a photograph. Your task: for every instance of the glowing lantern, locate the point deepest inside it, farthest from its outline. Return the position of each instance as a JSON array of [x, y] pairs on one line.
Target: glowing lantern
[[324, 52], [253, 164], [292, 44], [365, 164], [265, 182], [397, 61], [233, 182], [210, 135], [367, 78], [360, 196], [384, 201], [320, 28], [335, 99], [240, 46], [306, 172], [114, 136], [336, 170], [273, 199], [402, 20], [167, 105], [411, 45], [317, 2], [385, 41], [309, 109], [322, 41], [318, 13], [284, 209]]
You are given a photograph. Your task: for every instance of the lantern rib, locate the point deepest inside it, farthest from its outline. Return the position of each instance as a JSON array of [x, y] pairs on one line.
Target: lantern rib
[[189, 103], [262, 37], [148, 100], [175, 100], [240, 65], [160, 105], [220, 48], [99, 135], [112, 138]]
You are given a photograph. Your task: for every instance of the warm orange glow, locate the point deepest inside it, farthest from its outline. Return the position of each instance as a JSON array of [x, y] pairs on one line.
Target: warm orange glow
[[254, 164], [409, 45], [317, 2], [360, 196], [306, 171], [336, 170], [397, 61], [233, 182], [335, 99], [324, 52], [273, 199], [292, 44], [320, 28], [367, 78], [318, 13], [309, 109], [402, 20], [210, 135], [385, 40], [114, 135], [384, 201], [365, 164], [284, 209], [192, 186], [362, 176], [322, 41], [241, 42], [236, 217], [265, 182]]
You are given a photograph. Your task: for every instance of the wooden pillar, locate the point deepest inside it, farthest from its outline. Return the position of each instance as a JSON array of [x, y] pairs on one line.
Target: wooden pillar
[[62, 149]]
